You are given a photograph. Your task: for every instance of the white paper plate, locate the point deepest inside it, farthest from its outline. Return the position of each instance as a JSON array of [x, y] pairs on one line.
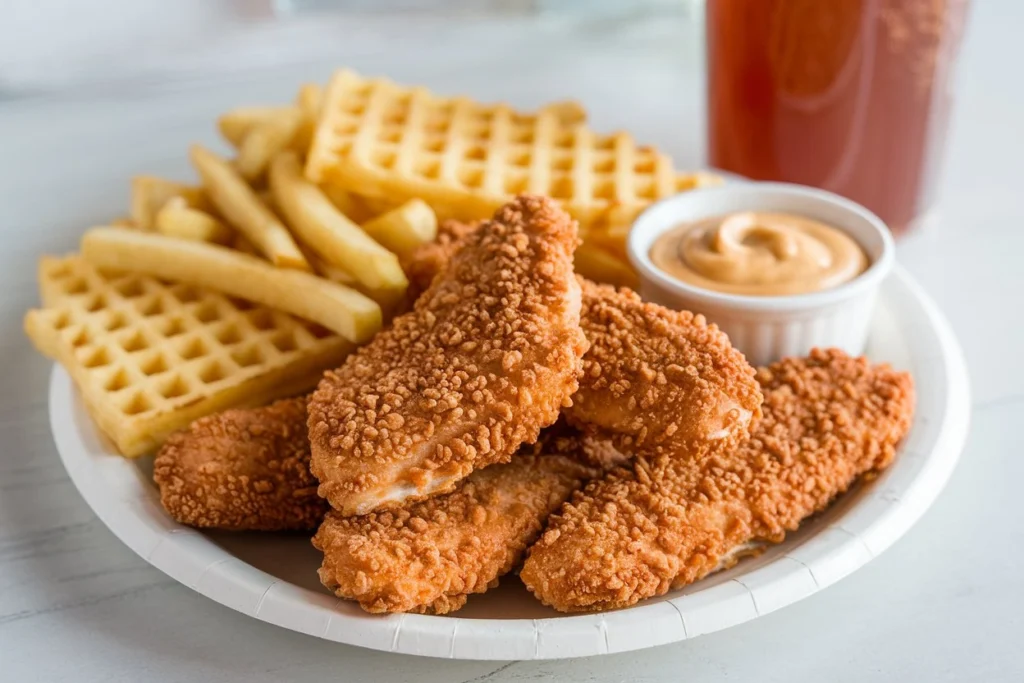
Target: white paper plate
[[272, 577]]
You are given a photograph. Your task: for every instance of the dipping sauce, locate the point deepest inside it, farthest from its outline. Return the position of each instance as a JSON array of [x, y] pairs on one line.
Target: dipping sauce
[[756, 253]]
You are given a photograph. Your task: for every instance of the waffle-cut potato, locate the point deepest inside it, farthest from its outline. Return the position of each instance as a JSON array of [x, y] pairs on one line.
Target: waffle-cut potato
[[149, 357], [467, 159]]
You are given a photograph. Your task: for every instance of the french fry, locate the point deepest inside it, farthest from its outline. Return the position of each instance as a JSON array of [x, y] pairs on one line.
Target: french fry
[[343, 201], [309, 101], [389, 299], [124, 222], [403, 229], [242, 208], [328, 232], [241, 243], [596, 264], [265, 141], [178, 219], [336, 307], [149, 194], [236, 124]]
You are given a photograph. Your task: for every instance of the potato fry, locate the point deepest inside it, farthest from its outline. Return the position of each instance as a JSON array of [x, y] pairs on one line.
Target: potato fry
[[338, 308], [265, 141], [403, 229], [344, 202], [390, 300], [599, 265], [124, 222], [309, 100], [241, 243], [236, 124], [178, 219], [328, 232], [242, 208], [149, 194]]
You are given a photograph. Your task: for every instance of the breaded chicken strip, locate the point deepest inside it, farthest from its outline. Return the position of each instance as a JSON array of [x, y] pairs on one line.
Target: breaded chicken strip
[[658, 380], [653, 379], [430, 556], [666, 522], [488, 356], [242, 470]]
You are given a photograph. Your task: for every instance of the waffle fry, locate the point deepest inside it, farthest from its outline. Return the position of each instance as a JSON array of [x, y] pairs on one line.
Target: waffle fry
[[149, 357], [466, 159]]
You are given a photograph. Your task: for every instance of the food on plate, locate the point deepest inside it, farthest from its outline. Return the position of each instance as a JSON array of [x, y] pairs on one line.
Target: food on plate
[[239, 204], [759, 253], [150, 194], [668, 521], [466, 159], [148, 356], [336, 307], [178, 219], [431, 556], [330, 233], [404, 228], [653, 379], [488, 356], [658, 380], [600, 265], [236, 124], [265, 141], [242, 470]]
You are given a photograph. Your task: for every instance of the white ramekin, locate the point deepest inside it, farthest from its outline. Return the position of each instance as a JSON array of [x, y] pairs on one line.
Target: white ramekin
[[767, 328]]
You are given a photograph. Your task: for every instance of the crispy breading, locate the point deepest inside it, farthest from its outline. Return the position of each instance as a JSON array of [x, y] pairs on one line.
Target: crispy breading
[[665, 522], [241, 470], [488, 356], [430, 556], [653, 378]]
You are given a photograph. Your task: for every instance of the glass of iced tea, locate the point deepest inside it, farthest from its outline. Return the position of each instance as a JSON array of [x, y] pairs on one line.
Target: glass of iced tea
[[848, 95]]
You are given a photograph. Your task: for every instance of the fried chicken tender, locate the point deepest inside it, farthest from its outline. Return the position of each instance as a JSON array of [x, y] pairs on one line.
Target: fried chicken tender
[[657, 380], [653, 379], [242, 470], [488, 356], [430, 556], [666, 522]]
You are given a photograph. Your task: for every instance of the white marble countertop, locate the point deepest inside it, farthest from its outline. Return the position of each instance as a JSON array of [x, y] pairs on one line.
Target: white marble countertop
[[945, 603]]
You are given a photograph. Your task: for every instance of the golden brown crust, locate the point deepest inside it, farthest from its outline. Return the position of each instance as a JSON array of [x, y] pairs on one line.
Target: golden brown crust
[[488, 356], [667, 522], [655, 379], [429, 556], [241, 470]]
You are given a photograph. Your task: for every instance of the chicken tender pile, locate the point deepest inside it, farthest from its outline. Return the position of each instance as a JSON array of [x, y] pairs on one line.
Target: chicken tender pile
[[668, 521], [522, 418]]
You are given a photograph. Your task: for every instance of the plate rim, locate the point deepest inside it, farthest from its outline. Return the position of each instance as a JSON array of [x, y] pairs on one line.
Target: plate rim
[[870, 526]]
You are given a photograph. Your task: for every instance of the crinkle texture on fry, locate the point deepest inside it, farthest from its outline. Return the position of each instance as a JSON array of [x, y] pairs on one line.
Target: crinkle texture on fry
[[488, 356], [242, 470], [430, 556], [666, 522]]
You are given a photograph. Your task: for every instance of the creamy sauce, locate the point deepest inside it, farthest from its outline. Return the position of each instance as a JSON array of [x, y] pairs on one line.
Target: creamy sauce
[[757, 253]]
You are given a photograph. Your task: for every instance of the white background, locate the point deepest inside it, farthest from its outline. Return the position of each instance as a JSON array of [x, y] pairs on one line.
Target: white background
[[945, 603]]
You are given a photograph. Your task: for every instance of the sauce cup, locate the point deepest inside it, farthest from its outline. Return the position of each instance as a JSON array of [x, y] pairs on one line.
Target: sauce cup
[[767, 328]]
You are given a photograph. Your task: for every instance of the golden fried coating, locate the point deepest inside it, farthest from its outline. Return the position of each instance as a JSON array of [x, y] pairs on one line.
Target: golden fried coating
[[430, 556], [488, 356], [241, 470], [655, 379], [666, 522]]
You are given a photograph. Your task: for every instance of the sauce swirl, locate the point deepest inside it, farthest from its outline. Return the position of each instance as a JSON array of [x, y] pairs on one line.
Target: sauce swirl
[[756, 253]]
